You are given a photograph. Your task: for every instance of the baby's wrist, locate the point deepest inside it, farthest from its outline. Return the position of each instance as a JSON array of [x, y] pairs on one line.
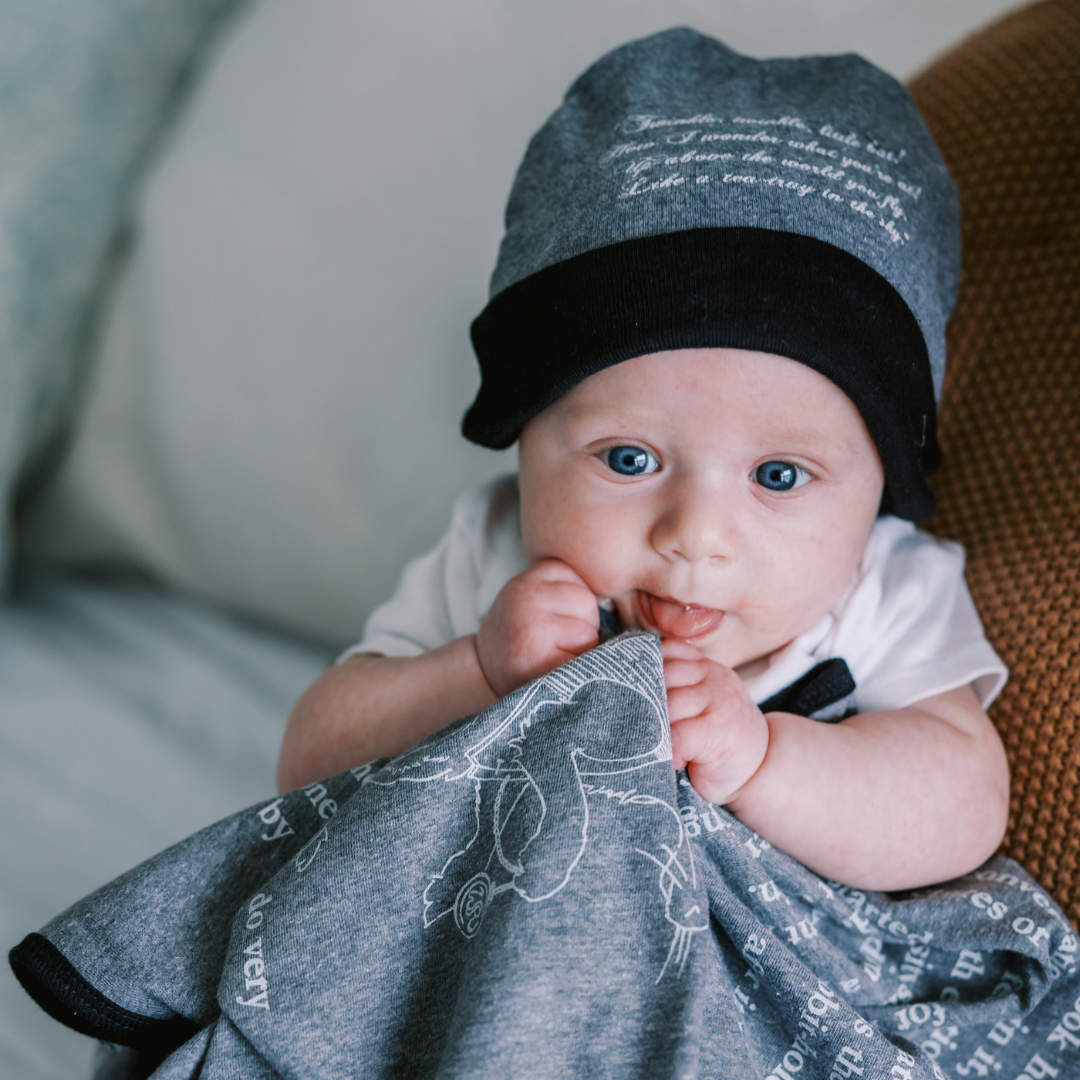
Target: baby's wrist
[[471, 651]]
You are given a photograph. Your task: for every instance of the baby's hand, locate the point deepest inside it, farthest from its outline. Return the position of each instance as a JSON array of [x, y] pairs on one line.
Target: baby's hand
[[717, 731], [542, 618]]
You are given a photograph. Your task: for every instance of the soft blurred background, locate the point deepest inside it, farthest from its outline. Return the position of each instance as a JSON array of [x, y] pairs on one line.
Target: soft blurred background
[[240, 248]]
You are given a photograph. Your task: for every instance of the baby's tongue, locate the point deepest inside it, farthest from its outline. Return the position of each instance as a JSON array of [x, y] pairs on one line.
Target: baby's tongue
[[682, 620]]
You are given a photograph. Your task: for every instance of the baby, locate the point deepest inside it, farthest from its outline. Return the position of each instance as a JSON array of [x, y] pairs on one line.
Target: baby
[[716, 328]]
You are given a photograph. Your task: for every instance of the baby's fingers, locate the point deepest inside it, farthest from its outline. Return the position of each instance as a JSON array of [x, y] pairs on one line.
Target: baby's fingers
[[678, 673], [572, 635], [696, 739], [686, 702], [673, 649], [564, 598], [555, 570]]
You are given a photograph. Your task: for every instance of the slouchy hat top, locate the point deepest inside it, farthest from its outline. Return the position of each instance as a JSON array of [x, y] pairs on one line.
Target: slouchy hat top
[[686, 196]]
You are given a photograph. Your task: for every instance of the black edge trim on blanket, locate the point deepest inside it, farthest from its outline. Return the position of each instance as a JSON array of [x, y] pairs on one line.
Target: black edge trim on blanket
[[823, 685], [56, 985], [733, 287]]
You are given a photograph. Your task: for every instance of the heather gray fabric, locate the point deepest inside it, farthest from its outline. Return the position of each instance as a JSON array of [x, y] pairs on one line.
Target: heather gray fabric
[[677, 132], [534, 892]]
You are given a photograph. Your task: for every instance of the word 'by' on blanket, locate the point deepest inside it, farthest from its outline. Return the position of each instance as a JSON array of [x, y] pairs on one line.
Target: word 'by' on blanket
[[535, 892]]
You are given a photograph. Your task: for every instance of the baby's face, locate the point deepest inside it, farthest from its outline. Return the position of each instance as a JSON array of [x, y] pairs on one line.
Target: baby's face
[[719, 496]]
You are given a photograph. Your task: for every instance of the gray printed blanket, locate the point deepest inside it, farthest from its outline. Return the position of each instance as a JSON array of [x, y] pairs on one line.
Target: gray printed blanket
[[535, 892]]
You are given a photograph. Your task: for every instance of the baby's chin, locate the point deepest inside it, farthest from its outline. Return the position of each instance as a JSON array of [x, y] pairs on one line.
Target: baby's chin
[[746, 661]]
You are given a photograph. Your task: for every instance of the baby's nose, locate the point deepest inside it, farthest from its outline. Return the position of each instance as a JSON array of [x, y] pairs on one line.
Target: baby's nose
[[695, 527]]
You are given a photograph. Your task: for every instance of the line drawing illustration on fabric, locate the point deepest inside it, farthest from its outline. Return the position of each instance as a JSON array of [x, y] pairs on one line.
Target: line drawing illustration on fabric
[[532, 798]]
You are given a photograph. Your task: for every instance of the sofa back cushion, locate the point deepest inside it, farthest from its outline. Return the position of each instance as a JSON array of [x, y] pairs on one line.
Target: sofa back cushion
[[274, 422]]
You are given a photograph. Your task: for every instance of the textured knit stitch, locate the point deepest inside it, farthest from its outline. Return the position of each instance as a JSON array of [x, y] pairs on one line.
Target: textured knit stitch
[[1005, 109]]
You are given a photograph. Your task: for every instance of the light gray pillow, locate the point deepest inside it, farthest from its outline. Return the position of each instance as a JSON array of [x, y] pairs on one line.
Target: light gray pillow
[[85, 86]]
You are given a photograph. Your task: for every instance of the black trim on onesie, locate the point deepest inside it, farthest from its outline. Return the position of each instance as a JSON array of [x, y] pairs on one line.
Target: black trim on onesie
[[823, 685], [58, 987], [743, 288]]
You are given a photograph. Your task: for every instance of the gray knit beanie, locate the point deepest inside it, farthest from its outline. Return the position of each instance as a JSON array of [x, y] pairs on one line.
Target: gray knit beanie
[[685, 196]]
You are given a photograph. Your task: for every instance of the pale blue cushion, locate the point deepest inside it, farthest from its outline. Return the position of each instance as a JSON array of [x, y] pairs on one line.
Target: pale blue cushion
[[129, 719], [85, 86]]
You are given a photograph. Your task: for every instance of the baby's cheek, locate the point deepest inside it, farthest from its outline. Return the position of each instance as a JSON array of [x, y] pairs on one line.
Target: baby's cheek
[[797, 588], [603, 564], [821, 564]]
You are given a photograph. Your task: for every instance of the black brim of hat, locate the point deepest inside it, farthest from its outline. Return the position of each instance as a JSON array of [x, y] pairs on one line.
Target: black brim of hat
[[740, 288]]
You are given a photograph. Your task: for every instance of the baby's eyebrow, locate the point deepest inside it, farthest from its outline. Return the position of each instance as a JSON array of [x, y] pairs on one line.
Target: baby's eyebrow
[[614, 416], [794, 433]]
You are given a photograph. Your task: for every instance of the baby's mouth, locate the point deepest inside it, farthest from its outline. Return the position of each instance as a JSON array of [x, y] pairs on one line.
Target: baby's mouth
[[673, 619]]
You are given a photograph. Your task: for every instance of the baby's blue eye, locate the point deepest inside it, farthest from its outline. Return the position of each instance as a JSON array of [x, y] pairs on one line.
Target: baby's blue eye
[[780, 475], [631, 460]]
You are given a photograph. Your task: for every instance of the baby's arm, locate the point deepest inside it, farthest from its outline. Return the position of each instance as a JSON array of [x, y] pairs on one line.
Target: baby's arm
[[372, 706], [884, 800]]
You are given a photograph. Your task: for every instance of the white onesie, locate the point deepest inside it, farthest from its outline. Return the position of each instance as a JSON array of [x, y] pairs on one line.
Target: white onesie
[[906, 625]]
